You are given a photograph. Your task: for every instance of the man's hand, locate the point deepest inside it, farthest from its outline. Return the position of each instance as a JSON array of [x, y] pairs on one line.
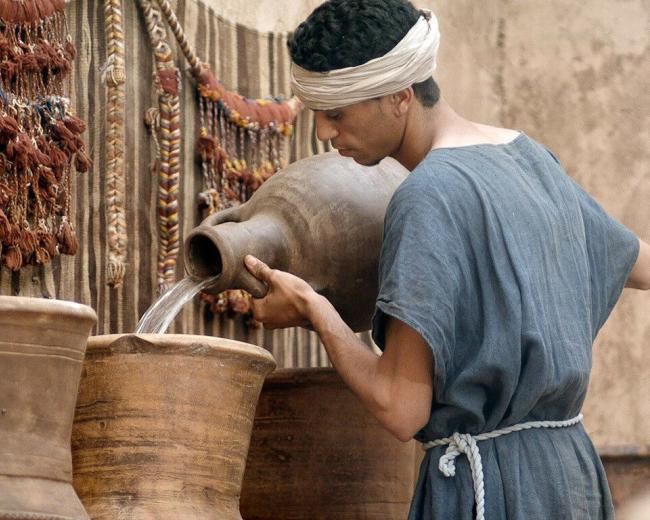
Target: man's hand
[[287, 302]]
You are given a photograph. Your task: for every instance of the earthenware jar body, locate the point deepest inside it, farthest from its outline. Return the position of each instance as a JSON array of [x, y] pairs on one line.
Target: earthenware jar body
[[321, 219], [316, 452], [163, 425], [42, 348]]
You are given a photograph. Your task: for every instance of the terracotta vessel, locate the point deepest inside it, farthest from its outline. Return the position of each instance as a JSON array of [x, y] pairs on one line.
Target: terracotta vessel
[[321, 219], [42, 348], [163, 425], [317, 453]]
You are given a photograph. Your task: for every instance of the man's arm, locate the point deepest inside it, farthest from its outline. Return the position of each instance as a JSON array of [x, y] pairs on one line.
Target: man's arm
[[640, 275], [396, 387]]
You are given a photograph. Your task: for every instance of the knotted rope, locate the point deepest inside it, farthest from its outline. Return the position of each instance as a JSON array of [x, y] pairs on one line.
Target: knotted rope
[[113, 75], [172, 20], [464, 443], [166, 130]]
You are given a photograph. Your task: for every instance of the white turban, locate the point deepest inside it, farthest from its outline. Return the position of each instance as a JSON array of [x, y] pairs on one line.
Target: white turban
[[412, 60]]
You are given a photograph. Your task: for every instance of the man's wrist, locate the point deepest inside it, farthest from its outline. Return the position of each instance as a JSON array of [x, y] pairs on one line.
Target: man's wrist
[[316, 307]]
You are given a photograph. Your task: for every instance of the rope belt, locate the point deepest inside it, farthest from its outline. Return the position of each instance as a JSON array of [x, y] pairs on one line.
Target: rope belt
[[465, 443]]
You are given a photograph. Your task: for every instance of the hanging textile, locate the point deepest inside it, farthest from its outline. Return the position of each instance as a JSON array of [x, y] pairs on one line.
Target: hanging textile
[[40, 138], [240, 145]]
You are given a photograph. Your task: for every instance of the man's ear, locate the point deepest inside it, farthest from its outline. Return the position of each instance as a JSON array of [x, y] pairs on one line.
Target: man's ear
[[401, 101]]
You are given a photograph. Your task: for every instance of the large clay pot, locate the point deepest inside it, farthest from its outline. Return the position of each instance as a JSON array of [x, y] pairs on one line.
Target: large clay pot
[[317, 453], [321, 219], [163, 425], [42, 348]]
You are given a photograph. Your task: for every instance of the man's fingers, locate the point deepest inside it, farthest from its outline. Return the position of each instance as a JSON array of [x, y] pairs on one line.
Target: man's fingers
[[258, 269]]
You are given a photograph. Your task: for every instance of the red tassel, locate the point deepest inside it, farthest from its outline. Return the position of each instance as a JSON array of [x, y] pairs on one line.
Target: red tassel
[[61, 131], [29, 63], [27, 243], [75, 124], [16, 234], [8, 129], [30, 11], [41, 158], [41, 256], [82, 162], [5, 228], [45, 8], [13, 258], [47, 186], [47, 241], [207, 147], [6, 193], [68, 244], [70, 50], [10, 11]]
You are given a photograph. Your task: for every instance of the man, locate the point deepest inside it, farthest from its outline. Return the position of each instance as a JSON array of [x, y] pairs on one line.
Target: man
[[496, 273]]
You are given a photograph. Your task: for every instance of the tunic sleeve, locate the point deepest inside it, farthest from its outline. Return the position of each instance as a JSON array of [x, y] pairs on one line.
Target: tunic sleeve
[[612, 250], [419, 271]]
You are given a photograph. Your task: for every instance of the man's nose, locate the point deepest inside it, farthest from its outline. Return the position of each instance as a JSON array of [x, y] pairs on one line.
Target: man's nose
[[325, 129]]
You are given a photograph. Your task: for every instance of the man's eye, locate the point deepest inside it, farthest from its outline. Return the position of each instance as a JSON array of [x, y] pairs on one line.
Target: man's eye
[[334, 116]]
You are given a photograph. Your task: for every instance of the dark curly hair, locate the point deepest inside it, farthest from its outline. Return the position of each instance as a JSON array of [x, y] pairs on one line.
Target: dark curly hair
[[347, 33]]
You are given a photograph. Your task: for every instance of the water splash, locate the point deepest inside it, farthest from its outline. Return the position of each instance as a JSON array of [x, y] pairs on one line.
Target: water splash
[[160, 315]]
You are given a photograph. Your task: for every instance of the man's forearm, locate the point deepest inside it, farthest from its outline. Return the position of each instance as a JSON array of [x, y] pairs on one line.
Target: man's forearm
[[357, 364]]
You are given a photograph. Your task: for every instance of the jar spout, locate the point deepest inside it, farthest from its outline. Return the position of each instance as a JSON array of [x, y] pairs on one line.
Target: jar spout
[[218, 250]]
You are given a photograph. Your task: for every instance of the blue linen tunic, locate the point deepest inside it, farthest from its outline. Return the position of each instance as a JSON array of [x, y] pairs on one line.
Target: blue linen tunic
[[507, 269]]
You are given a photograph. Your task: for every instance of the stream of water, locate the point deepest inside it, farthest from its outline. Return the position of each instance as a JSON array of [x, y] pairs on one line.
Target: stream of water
[[160, 315]]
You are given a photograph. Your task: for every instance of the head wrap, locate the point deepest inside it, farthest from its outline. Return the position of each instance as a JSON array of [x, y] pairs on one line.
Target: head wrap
[[412, 60]]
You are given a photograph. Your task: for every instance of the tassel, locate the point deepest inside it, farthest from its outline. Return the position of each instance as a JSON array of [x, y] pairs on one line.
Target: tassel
[[5, 228], [207, 147], [13, 259], [68, 244], [6, 193], [45, 8], [8, 129], [115, 272], [47, 241], [75, 124], [41, 256], [82, 162], [27, 242], [29, 63], [70, 50]]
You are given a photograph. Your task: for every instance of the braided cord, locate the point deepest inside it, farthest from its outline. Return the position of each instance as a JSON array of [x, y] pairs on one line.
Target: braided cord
[[464, 443], [113, 74], [176, 28], [167, 133]]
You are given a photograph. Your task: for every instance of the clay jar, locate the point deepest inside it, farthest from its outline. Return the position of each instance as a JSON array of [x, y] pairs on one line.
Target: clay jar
[[321, 219], [42, 348], [317, 453], [163, 424]]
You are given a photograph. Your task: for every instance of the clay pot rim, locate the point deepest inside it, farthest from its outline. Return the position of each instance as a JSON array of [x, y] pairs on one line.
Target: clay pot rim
[[47, 306], [304, 376], [175, 344]]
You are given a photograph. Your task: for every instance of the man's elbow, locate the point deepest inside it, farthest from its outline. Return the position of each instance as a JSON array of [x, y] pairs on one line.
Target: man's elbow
[[404, 426], [640, 275]]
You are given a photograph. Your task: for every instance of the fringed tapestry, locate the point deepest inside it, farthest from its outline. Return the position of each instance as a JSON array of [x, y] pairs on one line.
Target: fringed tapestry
[[40, 138], [240, 145]]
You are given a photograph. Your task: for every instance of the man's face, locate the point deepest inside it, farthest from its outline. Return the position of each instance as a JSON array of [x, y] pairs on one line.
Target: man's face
[[368, 131]]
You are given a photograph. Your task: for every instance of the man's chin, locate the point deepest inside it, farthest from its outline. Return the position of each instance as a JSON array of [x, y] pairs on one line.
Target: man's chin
[[366, 162]]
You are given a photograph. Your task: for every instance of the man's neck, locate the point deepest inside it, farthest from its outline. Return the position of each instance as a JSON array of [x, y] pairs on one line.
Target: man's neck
[[424, 127]]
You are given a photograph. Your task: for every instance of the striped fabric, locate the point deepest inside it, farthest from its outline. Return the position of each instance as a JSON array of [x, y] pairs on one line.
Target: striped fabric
[[255, 64]]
